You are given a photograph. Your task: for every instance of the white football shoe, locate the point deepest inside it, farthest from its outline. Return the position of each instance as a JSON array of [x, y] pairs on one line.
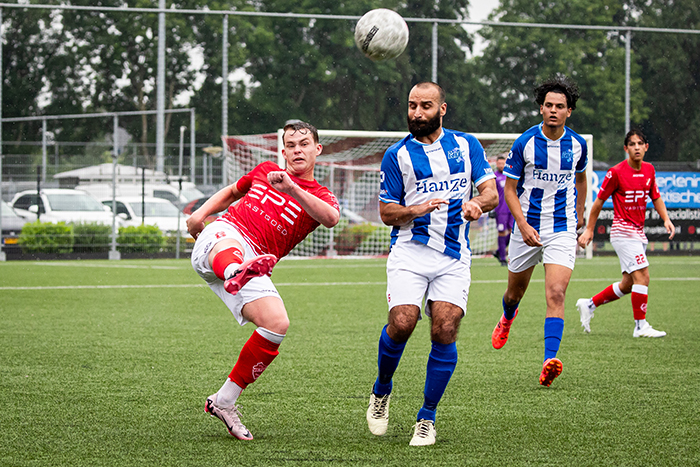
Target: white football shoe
[[647, 331], [378, 414], [585, 310], [424, 434]]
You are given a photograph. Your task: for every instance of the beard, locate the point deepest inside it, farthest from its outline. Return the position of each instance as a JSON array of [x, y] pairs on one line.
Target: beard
[[420, 128]]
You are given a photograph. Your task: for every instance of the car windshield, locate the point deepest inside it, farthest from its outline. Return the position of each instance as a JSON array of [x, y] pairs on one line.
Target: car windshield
[[156, 209], [7, 211], [191, 193], [73, 202]]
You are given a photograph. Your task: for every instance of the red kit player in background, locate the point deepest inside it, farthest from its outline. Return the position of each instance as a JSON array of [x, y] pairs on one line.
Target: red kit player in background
[[274, 210], [629, 183]]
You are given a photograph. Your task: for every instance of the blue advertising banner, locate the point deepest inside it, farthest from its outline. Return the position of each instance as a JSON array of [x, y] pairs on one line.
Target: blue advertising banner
[[679, 190], [681, 194]]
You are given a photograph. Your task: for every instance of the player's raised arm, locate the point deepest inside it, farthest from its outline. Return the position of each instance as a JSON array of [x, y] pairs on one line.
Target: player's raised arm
[[321, 211], [485, 201], [397, 215], [220, 201]]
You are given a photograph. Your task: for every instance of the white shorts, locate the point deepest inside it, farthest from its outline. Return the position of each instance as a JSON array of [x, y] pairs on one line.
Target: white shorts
[[632, 254], [257, 287], [416, 272], [557, 248]]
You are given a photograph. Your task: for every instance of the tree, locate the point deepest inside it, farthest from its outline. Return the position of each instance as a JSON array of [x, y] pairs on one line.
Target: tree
[[517, 58], [671, 77]]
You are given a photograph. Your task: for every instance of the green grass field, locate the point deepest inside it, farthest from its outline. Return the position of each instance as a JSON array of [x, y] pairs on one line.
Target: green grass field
[[109, 363]]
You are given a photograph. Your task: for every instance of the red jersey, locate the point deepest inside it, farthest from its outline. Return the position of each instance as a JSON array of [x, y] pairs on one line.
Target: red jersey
[[629, 189], [273, 222]]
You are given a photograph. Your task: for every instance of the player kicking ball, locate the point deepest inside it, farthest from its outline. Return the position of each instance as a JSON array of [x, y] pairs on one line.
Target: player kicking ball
[[274, 210], [629, 183]]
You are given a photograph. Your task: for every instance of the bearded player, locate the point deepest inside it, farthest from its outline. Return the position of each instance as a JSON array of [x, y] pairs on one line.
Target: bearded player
[[629, 183], [274, 210]]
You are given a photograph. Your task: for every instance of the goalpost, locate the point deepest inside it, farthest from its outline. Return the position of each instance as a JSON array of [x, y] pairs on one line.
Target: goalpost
[[349, 166]]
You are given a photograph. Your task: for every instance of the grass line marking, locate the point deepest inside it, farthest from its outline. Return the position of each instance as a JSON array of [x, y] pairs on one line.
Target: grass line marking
[[298, 284]]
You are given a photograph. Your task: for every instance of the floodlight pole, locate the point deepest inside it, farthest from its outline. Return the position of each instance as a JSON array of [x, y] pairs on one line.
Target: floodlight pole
[[435, 53], [628, 45], [114, 255], [224, 100], [160, 103]]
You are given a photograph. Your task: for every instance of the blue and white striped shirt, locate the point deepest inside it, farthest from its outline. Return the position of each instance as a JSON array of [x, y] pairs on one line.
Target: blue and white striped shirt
[[414, 173], [546, 173]]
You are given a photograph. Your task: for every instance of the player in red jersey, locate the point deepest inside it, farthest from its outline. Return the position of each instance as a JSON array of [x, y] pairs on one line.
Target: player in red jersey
[[274, 210], [629, 183]]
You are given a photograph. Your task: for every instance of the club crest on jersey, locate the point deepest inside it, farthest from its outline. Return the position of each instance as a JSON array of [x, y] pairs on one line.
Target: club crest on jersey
[[568, 155], [457, 154]]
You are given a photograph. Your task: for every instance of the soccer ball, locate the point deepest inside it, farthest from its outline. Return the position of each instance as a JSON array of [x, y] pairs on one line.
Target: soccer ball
[[381, 34]]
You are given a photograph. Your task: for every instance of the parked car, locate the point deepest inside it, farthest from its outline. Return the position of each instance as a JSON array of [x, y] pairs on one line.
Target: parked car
[[61, 205], [167, 191], [11, 227], [159, 212]]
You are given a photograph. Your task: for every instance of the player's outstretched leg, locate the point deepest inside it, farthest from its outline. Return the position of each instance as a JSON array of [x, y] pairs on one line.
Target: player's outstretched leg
[[585, 310], [254, 267], [499, 337], [378, 413], [424, 433], [230, 416], [551, 368]]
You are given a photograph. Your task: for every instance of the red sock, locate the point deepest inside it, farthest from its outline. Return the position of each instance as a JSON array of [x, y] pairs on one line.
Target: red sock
[[225, 258], [255, 356], [608, 294], [640, 297]]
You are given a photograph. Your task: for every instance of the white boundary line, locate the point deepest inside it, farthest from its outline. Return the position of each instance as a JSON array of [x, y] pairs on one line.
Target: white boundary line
[[297, 284]]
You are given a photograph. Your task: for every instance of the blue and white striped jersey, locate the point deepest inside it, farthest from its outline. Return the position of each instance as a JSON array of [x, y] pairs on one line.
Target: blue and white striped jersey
[[414, 173], [545, 171]]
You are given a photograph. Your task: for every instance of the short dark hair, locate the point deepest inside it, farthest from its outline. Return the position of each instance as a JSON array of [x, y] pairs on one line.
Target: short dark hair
[[561, 84], [299, 125], [638, 132], [441, 92], [501, 157]]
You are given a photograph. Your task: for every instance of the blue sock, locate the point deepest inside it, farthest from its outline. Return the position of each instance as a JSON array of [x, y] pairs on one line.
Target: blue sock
[[388, 359], [509, 311], [553, 330], [441, 364]]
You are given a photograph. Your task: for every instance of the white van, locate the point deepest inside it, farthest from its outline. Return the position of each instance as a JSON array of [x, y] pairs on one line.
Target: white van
[[167, 191]]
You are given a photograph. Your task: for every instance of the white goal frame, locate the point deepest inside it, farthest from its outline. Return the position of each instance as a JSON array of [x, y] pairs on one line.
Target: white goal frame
[[398, 135]]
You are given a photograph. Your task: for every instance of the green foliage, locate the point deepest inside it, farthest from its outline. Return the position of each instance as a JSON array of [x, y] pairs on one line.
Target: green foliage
[[140, 239], [46, 237], [92, 237], [349, 238]]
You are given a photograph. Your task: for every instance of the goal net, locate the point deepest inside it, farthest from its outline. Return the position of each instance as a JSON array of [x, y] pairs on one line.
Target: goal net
[[349, 166]]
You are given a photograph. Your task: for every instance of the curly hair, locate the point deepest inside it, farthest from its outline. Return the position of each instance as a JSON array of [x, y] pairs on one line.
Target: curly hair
[[561, 84], [297, 125]]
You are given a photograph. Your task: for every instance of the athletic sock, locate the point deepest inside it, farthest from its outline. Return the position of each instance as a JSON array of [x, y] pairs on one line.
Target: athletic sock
[[509, 311], [257, 353], [502, 242], [388, 359], [639, 301], [226, 262], [228, 394], [608, 294], [553, 330], [441, 364]]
